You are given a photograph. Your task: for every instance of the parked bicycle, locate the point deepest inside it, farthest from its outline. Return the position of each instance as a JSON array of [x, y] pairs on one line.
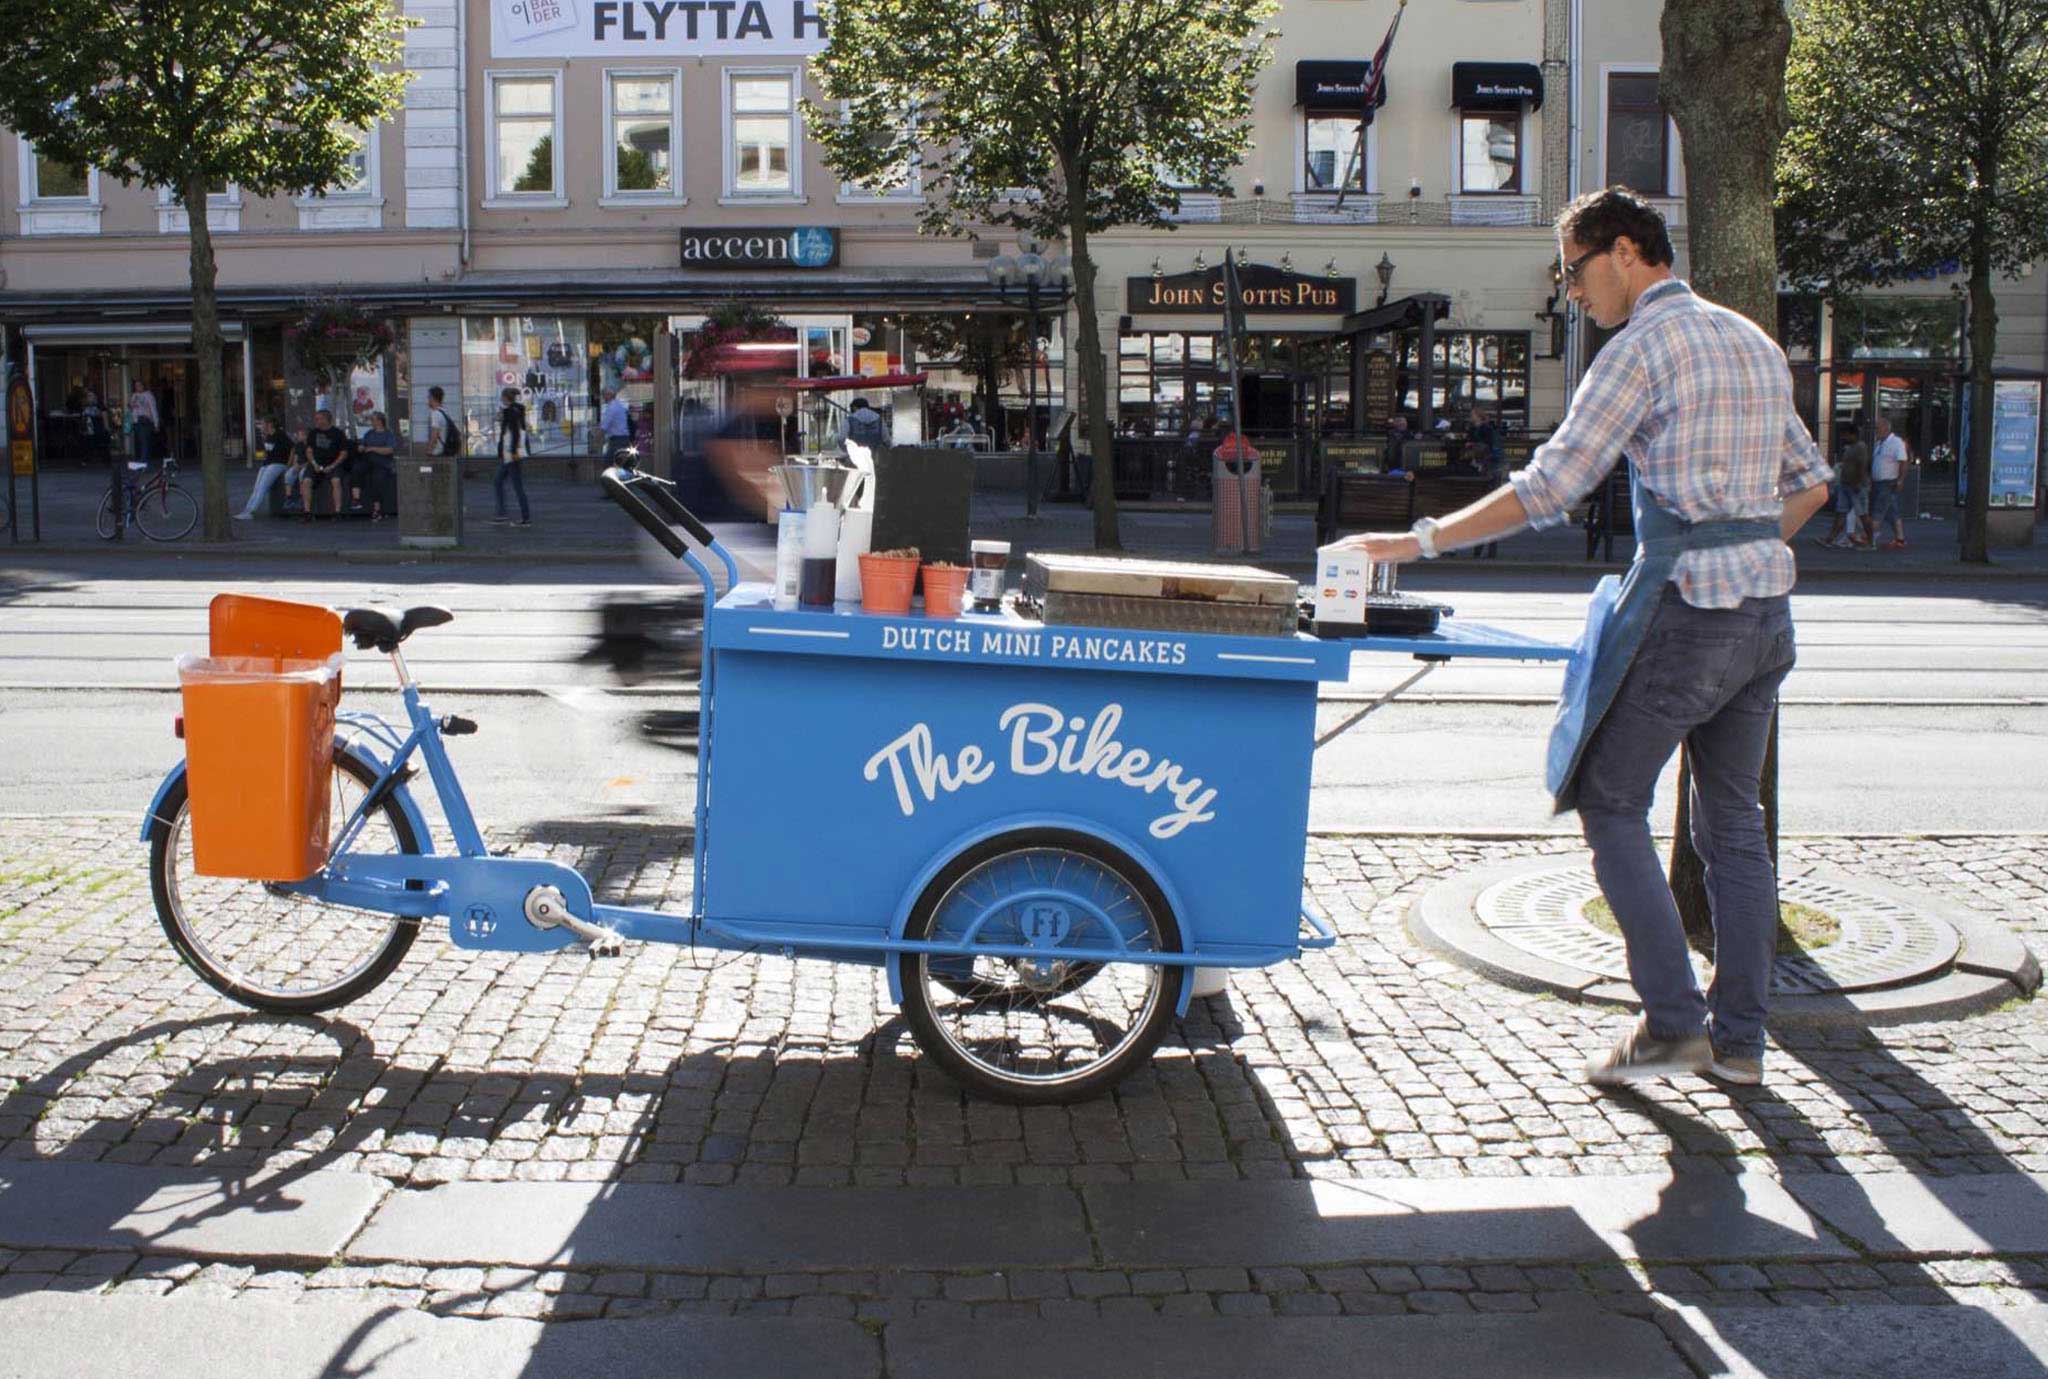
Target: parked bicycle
[[160, 509]]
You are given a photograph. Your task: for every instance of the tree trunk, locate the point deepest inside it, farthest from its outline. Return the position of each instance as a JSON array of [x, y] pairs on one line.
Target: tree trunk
[[1983, 352], [213, 463], [1094, 397], [1723, 82]]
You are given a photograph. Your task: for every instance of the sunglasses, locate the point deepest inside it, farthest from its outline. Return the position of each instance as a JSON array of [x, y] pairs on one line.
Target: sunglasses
[[1577, 266]]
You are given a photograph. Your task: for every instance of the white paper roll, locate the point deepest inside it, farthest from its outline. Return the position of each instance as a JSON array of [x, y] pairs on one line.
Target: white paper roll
[[856, 538]]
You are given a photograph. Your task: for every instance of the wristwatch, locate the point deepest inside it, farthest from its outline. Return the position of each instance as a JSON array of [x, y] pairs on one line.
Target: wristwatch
[[1424, 532]]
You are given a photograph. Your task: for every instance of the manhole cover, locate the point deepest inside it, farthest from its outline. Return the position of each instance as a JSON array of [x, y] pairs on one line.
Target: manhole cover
[[1883, 943]]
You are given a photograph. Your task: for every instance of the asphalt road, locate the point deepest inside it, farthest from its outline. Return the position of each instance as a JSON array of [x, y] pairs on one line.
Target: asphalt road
[[1912, 710]]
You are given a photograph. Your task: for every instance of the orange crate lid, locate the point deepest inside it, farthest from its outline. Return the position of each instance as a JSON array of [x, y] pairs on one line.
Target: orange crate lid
[[244, 625]]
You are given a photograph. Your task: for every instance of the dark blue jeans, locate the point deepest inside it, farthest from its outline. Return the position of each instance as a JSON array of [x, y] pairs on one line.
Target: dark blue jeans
[[513, 470], [1706, 677]]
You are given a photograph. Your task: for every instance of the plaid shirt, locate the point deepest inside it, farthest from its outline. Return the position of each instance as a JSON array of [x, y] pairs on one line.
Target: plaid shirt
[[1701, 400]]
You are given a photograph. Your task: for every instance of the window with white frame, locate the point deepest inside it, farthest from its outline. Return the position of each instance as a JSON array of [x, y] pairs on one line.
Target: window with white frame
[[1489, 151], [526, 135], [899, 181], [48, 179], [642, 115], [762, 157], [1332, 158], [359, 174]]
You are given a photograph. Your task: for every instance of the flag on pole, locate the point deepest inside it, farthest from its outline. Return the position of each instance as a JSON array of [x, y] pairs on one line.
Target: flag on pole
[[1374, 93]]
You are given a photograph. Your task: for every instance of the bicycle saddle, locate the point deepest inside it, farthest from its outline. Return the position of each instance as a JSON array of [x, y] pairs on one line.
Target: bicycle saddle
[[382, 629]]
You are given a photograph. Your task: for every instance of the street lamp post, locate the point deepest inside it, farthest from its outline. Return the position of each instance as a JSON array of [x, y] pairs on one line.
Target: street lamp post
[[1030, 271]]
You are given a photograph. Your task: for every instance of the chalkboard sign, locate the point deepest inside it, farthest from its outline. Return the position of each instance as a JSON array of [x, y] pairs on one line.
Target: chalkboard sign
[[1379, 389]]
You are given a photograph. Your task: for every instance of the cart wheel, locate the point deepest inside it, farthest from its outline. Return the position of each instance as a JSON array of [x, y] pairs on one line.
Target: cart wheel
[[1036, 1030], [286, 953]]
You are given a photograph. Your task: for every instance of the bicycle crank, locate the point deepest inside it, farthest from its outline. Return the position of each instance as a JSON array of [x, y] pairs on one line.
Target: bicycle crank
[[548, 908]]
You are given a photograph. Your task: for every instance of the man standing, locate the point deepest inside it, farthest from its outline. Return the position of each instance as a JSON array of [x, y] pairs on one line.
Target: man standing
[[617, 424], [1851, 527], [1697, 638], [1887, 470]]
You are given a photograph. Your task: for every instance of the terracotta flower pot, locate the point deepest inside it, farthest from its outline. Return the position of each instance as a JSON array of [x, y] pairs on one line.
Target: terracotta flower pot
[[943, 586], [886, 582]]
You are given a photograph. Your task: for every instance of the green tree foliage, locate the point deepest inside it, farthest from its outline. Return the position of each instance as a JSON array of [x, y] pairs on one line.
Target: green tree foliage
[[1919, 133], [539, 173], [187, 94], [1055, 119]]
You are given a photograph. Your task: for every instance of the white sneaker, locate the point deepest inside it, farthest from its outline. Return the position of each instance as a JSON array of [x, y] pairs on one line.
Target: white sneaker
[[1639, 1056]]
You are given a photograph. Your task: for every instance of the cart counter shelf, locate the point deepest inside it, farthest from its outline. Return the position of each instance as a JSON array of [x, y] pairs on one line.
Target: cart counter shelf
[[857, 762]]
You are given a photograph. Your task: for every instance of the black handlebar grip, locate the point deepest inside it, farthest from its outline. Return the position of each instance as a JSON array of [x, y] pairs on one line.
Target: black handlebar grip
[[619, 486], [664, 496]]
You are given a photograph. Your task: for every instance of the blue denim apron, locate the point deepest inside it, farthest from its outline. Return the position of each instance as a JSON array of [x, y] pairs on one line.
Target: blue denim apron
[[1616, 622]]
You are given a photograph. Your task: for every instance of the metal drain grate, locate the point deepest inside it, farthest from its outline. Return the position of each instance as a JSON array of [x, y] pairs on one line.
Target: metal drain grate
[[1882, 944]]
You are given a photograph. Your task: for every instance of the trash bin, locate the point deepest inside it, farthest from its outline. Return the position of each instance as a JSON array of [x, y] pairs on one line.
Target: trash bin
[[430, 500], [1237, 506], [259, 751]]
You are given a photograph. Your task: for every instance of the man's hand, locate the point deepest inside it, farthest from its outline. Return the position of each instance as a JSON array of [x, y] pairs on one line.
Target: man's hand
[[1384, 547]]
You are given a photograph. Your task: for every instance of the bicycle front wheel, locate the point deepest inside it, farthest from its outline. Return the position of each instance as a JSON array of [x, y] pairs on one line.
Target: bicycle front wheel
[[166, 513], [269, 948]]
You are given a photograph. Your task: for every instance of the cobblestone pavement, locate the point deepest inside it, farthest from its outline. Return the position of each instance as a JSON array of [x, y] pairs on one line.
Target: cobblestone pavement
[[1373, 1059]]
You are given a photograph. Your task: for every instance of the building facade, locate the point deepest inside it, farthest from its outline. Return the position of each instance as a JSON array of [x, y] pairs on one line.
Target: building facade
[[572, 190]]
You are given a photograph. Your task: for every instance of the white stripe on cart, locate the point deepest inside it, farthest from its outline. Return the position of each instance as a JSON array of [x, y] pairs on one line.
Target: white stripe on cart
[[798, 632], [1275, 660]]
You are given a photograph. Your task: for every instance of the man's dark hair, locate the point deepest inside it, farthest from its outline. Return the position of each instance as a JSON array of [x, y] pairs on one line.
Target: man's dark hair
[[858, 403], [1849, 430], [1599, 218], [434, 393]]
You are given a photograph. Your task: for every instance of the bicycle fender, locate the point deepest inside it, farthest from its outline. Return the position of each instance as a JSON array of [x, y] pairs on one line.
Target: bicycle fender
[[156, 803]]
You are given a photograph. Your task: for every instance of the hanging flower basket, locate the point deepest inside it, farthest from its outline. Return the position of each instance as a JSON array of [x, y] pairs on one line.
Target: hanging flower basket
[[711, 351], [332, 338]]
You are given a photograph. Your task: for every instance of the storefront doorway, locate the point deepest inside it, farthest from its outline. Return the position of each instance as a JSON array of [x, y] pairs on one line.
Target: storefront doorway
[[73, 368]]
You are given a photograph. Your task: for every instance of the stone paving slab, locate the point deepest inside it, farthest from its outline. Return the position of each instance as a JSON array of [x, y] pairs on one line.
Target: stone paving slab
[[1696, 1217], [623, 1226], [274, 1215], [1878, 1342], [86, 1338], [1535, 1347], [1904, 1215]]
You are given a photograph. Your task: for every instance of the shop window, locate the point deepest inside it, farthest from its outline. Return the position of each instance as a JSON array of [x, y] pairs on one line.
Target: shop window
[[1898, 328], [1638, 135], [1489, 152], [547, 360], [761, 153], [1473, 369], [1332, 160], [526, 137], [642, 113]]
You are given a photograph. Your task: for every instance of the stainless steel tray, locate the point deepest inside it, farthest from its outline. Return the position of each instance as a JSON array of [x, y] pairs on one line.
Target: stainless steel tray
[[1161, 614]]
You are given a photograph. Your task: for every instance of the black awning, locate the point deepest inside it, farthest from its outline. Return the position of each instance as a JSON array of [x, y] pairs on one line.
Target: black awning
[[1334, 85], [1496, 85], [1403, 313]]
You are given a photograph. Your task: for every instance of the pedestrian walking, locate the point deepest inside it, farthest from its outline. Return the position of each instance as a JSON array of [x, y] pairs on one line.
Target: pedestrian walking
[[1692, 644], [1887, 471], [1850, 527], [513, 446], [277, 464]]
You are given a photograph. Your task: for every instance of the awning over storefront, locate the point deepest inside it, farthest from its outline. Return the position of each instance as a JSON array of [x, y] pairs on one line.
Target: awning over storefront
[[1403, 314], [1330, 85], [1496, 85]]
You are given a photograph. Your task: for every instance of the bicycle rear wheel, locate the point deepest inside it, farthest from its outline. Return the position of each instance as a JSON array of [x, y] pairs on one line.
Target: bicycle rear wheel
[[166, 513], [105, 523], [271, 949]]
